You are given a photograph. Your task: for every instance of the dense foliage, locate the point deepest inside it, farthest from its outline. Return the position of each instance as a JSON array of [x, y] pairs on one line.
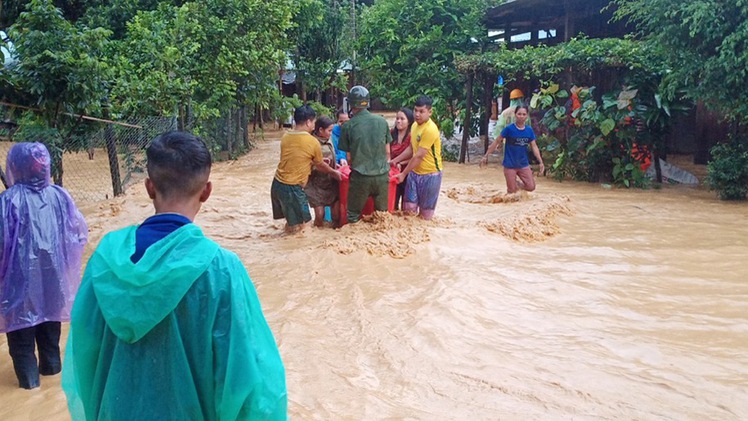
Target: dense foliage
[[591, 140], [727, 173], [61, 70], [623, 109], [582, 58], [408, 49], [705, 42], [198, 61], [319, 53]]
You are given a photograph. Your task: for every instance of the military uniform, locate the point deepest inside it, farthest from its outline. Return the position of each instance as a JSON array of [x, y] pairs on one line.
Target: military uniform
[[365, 137]]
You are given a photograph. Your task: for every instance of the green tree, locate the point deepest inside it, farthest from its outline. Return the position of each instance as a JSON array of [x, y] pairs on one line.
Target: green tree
[[408, 48], [317, 54], [72, 10], [242, 48], [205, 57], [705, 41], [114, 15], [155, 63], [61, 70]]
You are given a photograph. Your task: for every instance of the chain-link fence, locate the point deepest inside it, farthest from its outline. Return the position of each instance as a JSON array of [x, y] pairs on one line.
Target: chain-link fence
[[111, 156], [93, 174]]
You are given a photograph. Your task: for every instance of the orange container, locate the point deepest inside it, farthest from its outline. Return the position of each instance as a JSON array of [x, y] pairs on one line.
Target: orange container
[[369, 206]]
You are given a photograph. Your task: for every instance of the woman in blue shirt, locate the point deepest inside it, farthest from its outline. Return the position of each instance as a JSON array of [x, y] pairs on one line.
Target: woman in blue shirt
[[517, 136]]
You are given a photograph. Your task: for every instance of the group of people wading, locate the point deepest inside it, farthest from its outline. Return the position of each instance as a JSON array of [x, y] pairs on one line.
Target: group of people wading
[[366, 152], [313, 160]]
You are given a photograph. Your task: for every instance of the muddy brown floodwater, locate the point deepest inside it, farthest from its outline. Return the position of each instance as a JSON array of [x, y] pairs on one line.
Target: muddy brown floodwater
[[572, 302]]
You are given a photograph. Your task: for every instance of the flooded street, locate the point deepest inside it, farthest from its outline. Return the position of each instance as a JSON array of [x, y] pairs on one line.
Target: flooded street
[[573, 302]]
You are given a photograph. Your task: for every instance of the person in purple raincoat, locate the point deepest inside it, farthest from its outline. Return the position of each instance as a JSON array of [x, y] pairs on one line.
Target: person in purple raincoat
[[43, 235]]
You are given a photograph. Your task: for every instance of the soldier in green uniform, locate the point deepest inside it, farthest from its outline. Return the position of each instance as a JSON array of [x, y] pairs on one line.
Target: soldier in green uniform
[[366, 140]]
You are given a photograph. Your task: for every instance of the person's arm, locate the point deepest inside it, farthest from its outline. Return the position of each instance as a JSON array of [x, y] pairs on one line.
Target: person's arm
[[413, 163], [323, 167], [320, 164], [536, 152], [403, 157], [344, 143], [499, 140], [340, 155], [387, 140]]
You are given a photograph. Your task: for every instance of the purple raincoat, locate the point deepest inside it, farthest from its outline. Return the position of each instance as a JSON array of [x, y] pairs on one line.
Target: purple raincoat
[[43, 235]]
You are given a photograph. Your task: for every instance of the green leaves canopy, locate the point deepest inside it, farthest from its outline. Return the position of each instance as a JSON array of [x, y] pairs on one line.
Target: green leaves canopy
[[705, 41], [61, 67], [209, 55], [317, 35], [408, 48]]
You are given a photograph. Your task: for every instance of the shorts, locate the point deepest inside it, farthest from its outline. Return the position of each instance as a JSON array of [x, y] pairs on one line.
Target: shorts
[[290, 202], [423, 189]]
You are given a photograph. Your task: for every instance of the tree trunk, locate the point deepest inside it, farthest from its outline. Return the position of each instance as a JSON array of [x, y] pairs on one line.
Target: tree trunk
[[180, 118], [245, 127], [468, 116], [111, 149], [56, 155], [58, 170], [229, 138], [238, 132], [658, 169], [488, 106]]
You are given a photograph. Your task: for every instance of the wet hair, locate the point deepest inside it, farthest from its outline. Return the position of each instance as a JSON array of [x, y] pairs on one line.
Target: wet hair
[[303, 114], [178, 164], [409, 116], [424, 101], [322, 123]]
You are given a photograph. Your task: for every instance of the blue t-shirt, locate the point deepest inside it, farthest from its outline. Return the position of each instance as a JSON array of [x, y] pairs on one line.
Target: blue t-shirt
[[154, 229], [515, 150]]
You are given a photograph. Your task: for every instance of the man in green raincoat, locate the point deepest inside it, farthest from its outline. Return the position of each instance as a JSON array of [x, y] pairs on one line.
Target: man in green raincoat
[[167, 324]]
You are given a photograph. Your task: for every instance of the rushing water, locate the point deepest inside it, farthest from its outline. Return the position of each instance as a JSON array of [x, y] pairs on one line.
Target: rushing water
[[574, 302]]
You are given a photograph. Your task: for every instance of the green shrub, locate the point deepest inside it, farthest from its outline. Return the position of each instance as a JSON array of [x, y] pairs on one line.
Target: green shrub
[[727, 172]]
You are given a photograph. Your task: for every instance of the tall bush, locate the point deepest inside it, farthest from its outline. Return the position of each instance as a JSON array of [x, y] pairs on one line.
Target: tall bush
[[727, 173]]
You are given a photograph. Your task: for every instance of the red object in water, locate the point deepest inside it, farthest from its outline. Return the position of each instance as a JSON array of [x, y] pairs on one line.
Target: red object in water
[[369, 206]]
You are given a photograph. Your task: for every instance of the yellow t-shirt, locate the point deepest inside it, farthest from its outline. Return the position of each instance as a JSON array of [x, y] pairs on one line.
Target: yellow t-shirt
[[299, 151], [426, 136]]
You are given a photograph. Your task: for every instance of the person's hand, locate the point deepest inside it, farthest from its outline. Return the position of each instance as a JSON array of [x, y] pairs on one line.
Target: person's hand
[[400, 178], [343, 162], [542, 169], [338, 175], [483, 162]]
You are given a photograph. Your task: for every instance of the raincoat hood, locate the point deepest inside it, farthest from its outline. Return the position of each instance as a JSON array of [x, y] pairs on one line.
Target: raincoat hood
[[29, 164], [135, 297]]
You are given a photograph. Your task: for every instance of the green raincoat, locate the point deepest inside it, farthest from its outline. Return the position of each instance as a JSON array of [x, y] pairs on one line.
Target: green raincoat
[[180, 335]]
